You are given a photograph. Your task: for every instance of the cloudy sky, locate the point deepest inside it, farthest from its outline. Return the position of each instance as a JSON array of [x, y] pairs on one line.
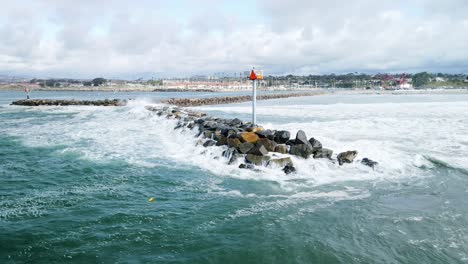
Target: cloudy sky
[[88, 38]]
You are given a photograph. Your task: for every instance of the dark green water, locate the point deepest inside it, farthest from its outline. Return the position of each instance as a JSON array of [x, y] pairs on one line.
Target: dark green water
[[75, 183]]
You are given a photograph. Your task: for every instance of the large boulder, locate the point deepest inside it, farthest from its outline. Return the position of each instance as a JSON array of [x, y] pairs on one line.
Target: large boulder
[[346, 157], [316, 145], [268, 144], [301, 138], [281, 148], [323, 153], [369, 162], [257, 160], [302, 150], [250, 137], [266, 134], [259, 150], [281, 162], [282, 136], [245, 147]]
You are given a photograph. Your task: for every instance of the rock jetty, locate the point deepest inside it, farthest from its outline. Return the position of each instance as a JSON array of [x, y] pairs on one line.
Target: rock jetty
[[187, 102], [50, 102], [251, 145]]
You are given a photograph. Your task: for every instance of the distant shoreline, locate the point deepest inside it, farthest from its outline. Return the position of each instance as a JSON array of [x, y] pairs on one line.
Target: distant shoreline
[[20, 88]]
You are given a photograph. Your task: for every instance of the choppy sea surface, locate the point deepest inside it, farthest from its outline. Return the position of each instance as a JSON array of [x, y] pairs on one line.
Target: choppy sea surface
[[75, 183]]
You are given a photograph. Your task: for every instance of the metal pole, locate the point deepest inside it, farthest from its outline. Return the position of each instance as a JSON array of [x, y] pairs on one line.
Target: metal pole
[[254, 102]]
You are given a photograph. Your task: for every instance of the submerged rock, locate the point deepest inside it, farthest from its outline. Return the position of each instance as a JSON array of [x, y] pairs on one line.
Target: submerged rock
[[346, 157], [369, 162], [281, 162], [289, 169], [247, 166]]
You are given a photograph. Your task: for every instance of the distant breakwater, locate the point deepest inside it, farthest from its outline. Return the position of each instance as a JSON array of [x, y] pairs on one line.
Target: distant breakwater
[[50, 102], [187, 102], [250, 145]]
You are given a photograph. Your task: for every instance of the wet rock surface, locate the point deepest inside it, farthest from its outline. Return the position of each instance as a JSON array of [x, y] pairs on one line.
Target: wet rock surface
[[346, 157], [251, 145]]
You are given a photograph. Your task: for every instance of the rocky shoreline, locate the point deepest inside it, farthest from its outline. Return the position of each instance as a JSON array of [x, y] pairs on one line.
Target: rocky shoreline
[[187, 102], [50, 102], [253, 145]]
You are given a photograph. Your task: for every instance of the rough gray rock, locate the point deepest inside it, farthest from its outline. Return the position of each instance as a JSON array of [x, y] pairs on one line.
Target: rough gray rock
[[282, 136], [245, 147], [266, 134], [259, 150], [346, 157], [302, 150], [323, 153], [301, 138], [316, 145], [268, 144]]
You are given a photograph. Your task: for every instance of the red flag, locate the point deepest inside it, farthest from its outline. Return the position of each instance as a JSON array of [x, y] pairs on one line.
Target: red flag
[[253, 76]]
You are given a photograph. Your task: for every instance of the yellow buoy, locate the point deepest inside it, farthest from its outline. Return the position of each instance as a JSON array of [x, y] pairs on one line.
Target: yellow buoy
[[151, 199]]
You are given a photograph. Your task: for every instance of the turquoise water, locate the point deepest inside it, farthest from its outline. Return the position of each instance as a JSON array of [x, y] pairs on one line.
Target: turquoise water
[[75, 183]]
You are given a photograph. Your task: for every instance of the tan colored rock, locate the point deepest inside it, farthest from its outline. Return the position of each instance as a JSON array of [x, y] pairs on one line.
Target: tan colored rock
[[250, 137]]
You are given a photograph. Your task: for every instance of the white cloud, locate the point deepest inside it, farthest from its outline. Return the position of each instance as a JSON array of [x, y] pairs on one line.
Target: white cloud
[[115, 38]]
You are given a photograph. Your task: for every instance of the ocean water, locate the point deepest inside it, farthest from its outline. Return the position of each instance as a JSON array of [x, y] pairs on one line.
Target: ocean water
[[75, 183]]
